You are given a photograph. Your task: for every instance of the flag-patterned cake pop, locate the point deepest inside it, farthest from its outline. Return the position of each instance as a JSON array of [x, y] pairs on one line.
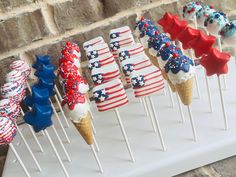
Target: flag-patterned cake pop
[[110, 95], [97, 50], [95, 41], [101, 61], [147, 81], [120, 32]]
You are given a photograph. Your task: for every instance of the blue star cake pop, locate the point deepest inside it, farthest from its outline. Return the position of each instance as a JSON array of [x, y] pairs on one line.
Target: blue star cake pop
[[41, 60]]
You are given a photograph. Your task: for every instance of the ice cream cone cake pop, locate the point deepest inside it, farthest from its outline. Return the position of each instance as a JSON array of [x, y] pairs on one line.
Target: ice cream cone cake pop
[[191, 9], [215, 22], [181, 71], [228, 33], [110, 95], [203, 13], [147, 81]]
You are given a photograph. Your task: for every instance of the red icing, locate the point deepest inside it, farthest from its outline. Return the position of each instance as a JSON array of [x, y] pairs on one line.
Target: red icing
[[215, 62], [69, 48], [142, 18], [72, 99], [166, 21], [176, 28], [202, 44], [187, 35], [175, 55]]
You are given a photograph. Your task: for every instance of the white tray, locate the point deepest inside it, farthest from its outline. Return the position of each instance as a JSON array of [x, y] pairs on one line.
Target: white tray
[[182, 153]]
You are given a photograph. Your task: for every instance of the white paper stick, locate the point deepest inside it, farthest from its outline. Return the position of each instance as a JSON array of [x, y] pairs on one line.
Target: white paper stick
[[150, 114], [97, 159], [29, 149], [19, 160], [192, 123], [59, 120], [226, 126], [28, 86], [62, 111], [62, 145], [93, 128], [56, 153], [171, 96], [220, 48], [157, 124], [58, 93], [124, 134], [235, 55], [96, 144], [145, 106], [32, 132], [180, 108], [91, 114], [209, 93]]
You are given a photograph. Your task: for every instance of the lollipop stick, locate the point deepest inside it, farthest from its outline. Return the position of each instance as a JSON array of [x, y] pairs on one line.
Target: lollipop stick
[[180, 109], [56, 153], [58, 93], [223, 104], [192, 123], [145, 106], [91, 114], [96, 144], [171, 97], [19, 159], [97, 159], [220, 48], [28, 148], [32, 132], [28, 86], [94, 130], [59, 120], [150, 115], [209, 93], [124, 134], [62, 145], [62, 112], [157, 124]]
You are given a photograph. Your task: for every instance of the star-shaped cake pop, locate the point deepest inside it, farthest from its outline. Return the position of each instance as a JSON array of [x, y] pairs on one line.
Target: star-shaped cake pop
[[215, 62], [167, 20], [188, 35], [202, 44], [176, 28]]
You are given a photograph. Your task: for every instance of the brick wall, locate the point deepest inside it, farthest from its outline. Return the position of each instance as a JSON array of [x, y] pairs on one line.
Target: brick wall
[[30, 27]]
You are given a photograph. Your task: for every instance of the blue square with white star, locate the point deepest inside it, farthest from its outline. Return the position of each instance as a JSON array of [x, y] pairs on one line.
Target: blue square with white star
[[138, 81], [100, 95], [97, 78]]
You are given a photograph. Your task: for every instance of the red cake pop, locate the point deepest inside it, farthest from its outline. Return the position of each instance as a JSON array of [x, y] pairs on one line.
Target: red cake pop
[[167, 20], [188, 35], [202, 44], [215, 62], [176, 28]]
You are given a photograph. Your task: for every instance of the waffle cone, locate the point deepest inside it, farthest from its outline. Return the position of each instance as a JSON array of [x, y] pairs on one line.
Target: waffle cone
[[85, 129], [185, 91], [165, 76], [153, 59]]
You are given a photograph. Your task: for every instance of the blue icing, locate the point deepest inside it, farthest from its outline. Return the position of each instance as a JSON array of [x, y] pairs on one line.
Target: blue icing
[[150, 30], [181, 63], [158, 42], [168, 52], [229, 30], [218, 18]]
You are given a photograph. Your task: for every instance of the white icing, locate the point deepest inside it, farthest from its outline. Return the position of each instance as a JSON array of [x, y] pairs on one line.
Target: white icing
[[83, 88], [77, 54], [144, 71], [214, 28], [77, 63], [80, 111], [125, 37], [121, 29], [132, 47], [181, 76], [102, 46], [201, 20]]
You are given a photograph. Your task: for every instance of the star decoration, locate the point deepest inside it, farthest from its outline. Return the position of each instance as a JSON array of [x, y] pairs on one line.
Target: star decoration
[[127, 69], [138, 81], [206, 42], [215, 62], [188, 35], [166, 21], [178, 26], [100, 95]]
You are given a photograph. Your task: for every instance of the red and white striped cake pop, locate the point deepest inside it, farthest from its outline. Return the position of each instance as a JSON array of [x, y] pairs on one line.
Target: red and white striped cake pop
[[10, 109], [7, 130], [21, 66]]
